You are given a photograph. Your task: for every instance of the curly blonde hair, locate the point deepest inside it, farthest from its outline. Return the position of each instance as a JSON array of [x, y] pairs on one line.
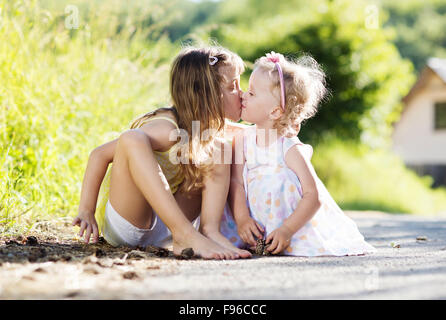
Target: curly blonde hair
[[304, 82]]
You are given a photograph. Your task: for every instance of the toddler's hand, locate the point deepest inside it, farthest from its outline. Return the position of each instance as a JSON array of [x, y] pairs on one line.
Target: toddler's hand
[[87, 223], [280, 239], [247, 228]]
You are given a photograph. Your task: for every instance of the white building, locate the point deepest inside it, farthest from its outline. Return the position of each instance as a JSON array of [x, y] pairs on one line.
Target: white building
[[419, 136]]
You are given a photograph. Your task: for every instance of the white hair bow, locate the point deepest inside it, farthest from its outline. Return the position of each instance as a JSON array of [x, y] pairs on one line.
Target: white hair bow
[[212, 60]]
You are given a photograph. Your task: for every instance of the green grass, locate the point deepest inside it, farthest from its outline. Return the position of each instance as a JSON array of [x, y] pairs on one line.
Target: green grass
[[61, 95]]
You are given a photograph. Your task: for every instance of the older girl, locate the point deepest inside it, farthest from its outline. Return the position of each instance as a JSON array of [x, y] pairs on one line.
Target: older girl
[[150, 200]]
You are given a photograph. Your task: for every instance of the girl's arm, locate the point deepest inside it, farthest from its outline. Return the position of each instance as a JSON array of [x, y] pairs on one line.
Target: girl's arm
[[237, 196], [97, 165], [215, 191], [246, 226], [309, 204]]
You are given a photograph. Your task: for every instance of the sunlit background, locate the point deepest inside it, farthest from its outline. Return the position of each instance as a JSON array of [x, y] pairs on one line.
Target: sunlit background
[[73, 74]]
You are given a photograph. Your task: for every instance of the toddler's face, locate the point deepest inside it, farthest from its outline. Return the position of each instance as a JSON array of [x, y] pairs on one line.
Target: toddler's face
[[258, 101], [231, 93]]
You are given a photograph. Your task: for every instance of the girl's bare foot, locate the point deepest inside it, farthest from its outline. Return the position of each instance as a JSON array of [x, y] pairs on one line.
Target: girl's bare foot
[[202, 246], [223, 241]]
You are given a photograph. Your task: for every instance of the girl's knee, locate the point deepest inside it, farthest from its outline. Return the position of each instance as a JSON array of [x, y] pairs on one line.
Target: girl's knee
[[131, 138]]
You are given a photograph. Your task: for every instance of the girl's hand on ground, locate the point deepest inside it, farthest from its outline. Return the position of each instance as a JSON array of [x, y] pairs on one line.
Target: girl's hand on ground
[[87, 223], [280, 239], [247, 229]]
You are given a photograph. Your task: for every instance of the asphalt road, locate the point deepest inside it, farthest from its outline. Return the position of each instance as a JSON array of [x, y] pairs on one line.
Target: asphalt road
[[402, 268]]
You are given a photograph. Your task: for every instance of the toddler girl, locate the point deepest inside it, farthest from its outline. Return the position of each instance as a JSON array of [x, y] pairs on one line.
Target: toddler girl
[[275, 192]]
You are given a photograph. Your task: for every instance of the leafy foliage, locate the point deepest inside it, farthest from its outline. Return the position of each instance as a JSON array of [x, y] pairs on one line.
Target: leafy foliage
[[64, 92], [419, 28], [365, 72], [363, 179]]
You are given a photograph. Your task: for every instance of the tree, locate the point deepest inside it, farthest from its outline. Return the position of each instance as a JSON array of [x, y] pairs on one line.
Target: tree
[[420, 26], [365, 73]]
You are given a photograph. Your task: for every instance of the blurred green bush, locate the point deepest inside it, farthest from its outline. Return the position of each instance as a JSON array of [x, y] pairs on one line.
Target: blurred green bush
[[65, 91], [365, 72], [361, 178]]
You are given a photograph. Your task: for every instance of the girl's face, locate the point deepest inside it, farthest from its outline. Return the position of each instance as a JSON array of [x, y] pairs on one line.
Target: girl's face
[[259, 101], [231, 93]]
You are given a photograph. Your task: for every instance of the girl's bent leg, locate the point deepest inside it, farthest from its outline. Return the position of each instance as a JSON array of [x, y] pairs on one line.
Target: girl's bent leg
[[135, 168], [125, 196], [189, 203]]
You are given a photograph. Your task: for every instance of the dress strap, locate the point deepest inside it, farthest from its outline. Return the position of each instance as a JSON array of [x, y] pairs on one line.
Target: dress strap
[[289, 142], [163, 118]]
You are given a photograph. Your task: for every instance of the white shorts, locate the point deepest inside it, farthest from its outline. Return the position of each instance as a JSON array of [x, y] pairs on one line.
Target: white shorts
[[118, 231]]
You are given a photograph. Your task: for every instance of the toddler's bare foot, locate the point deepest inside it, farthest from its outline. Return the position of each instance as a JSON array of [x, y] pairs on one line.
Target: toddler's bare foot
[[223, 241], [202, 246]]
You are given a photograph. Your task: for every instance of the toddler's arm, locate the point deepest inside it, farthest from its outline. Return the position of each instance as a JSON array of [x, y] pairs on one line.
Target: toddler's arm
[[299, 162], [246, 226]]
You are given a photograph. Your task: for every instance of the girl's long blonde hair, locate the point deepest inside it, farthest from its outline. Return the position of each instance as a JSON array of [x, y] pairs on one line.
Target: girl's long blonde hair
[[195, 88]]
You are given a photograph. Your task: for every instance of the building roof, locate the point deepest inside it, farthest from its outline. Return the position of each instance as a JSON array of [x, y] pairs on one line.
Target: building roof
[[434, 66], [438, 66]]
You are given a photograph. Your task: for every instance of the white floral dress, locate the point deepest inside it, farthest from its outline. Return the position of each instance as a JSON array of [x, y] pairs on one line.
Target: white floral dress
[[273, 193]]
